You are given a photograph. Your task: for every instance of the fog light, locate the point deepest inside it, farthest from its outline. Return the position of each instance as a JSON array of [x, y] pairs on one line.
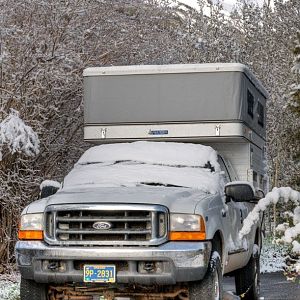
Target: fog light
[[55, 266], [145, 267], [149, 267]]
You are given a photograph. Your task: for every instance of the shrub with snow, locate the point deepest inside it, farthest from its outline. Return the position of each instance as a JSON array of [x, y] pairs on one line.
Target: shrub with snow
[[17, 136], [289, 231]]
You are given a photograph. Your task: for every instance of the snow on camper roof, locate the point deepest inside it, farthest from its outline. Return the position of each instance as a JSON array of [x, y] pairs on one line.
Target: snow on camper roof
[[176, 69]]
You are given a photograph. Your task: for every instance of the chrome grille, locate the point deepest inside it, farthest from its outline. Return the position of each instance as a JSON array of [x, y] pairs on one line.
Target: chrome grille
[[128, 224]]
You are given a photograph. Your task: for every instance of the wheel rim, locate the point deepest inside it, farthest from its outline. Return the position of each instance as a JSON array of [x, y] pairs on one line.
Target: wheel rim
[[216, 286]]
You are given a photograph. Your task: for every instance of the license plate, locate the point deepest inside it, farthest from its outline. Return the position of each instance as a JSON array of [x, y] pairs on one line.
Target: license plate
[[100, 273]]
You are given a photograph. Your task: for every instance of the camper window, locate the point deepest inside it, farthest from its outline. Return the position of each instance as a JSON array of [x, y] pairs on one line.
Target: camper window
[[250, 100], [260, 114]]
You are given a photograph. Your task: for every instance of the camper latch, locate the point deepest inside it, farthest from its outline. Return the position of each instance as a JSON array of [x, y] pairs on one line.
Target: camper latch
[[218, 129], [103, 133]]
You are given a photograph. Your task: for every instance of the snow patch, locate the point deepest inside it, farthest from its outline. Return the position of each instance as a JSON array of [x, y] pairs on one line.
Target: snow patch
[[272, 257], [52, 183], [282, 227], [9, 290], [213, 260], [296, 247], [17, 136], [255, 249]]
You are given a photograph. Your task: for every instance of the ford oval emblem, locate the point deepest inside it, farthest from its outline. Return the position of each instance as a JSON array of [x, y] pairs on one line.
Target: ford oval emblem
[[102, 225]]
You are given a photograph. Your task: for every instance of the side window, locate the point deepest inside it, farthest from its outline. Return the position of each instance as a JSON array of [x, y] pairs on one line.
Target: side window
[[250, 101], [260, 114], [224, 169]]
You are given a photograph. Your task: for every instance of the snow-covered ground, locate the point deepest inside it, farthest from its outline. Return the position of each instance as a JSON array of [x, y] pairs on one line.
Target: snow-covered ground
[[272, 257], [9, 287]]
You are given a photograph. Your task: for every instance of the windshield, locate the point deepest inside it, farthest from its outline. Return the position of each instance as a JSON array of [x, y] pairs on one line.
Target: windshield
[[147, 163], [132, 173]]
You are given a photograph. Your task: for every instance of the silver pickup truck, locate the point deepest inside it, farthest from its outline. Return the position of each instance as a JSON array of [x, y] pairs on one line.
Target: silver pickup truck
[[143, 214], [153, 212]]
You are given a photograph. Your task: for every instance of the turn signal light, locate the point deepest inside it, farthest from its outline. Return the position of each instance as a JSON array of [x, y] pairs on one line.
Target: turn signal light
[[31, 235], [187, 236]]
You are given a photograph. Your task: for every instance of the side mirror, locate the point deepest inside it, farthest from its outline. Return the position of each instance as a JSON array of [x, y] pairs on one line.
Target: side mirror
[[49, 188], [240, 191]]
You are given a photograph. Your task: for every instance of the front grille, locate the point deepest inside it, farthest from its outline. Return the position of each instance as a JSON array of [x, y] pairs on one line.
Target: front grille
[[126, 224]]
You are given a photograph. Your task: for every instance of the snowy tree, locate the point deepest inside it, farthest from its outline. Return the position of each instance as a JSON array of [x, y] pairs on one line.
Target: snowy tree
[[44, 47], [294, 104]]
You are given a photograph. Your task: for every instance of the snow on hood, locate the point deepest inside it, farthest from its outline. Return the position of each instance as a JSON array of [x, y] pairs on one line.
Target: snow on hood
[[140, 163]]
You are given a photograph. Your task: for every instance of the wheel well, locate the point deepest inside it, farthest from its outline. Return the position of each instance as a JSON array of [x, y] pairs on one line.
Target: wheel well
[[217, 244]]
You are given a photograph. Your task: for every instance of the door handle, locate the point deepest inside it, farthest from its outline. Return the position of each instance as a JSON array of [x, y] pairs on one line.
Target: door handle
[[241, 212]]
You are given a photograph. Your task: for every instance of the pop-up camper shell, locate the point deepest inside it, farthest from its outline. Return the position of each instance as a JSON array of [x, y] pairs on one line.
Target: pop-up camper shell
[[221, 105]]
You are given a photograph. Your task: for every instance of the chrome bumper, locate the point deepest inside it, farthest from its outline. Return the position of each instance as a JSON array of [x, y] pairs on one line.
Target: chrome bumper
[[176, 261]]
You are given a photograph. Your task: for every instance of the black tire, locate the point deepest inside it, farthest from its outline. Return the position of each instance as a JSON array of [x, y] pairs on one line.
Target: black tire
[[31, 290], [247, 280], [211, 286]]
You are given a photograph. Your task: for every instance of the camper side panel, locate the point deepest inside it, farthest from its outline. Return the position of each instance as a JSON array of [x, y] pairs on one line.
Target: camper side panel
[[156, 98]]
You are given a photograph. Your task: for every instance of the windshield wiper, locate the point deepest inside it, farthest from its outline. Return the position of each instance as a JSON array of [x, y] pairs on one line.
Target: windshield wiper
[[161, 184]]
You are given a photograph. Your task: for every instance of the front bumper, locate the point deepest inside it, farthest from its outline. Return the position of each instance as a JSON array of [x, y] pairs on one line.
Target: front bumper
[[174, 262]]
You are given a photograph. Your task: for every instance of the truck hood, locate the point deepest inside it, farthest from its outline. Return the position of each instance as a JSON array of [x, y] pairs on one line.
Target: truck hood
[[177, 200]]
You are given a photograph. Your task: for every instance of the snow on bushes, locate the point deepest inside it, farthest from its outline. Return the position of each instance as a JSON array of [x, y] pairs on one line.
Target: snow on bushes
[[289, 231], [17, 136]]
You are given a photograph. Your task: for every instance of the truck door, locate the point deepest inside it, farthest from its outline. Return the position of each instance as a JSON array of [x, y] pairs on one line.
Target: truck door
[[237, 211]]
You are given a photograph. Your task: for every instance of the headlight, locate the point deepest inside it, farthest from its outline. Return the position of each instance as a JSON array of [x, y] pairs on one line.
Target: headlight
[[184, 227], [31, 227], [32, 222], [183, 222]]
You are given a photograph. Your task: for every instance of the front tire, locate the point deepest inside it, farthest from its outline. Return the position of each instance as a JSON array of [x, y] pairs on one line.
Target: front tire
[[210, 287], [247, 280], [31, 290]]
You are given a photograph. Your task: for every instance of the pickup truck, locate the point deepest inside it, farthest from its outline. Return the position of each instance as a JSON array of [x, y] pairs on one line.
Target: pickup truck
[[153, 210], [139, 219]]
